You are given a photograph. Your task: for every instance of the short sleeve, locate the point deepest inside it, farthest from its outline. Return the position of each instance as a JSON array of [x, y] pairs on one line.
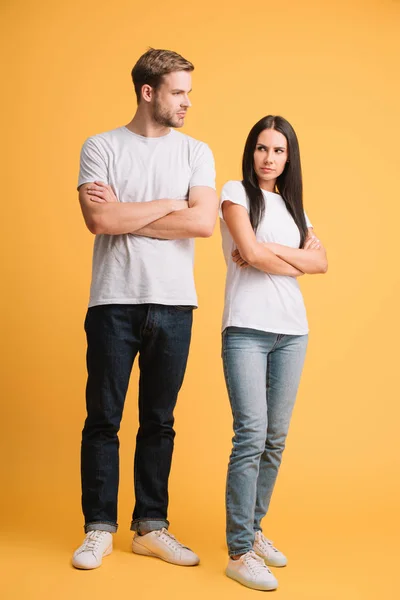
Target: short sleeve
[[308, 222], [203, 170], [93, 164], [234, 192]]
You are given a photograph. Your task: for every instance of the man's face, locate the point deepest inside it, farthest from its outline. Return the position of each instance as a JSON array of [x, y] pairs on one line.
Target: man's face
[[171, 99]]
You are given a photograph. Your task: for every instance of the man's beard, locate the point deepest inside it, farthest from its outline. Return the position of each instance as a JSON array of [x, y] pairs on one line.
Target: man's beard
[[163, 117]]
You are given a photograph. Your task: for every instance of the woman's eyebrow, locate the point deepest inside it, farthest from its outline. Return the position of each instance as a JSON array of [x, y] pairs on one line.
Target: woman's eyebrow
[[275, 147]]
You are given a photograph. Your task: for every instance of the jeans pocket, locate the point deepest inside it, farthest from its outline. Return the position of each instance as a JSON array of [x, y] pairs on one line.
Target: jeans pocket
[[182, 307]]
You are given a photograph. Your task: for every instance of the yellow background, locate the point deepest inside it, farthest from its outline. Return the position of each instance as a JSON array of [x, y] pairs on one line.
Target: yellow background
[[328, 67]]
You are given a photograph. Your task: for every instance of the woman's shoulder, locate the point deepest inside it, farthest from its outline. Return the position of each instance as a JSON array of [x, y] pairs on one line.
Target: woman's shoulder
[[234, 191], [233, 183], [234, 187]]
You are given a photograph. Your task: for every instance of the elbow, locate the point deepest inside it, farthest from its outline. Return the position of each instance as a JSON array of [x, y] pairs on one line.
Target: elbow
[[324, 267], [96, 225], [93, 228], [204, 230], [320, 268], [250, 254]]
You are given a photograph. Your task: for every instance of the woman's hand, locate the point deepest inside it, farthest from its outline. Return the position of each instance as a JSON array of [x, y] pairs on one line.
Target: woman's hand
[[240, 262], [101, 192], [312, 243]]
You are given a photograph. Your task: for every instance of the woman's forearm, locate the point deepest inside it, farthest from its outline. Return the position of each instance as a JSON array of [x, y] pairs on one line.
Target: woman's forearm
[[263, 259], [307, 261]]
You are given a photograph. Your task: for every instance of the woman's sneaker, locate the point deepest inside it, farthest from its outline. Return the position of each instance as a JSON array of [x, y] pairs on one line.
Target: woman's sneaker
[[265, 549], [95, 545], [250, 570], [162, 544]]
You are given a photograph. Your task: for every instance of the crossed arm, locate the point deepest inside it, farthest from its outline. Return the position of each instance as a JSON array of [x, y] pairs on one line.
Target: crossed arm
[[163, 219], [274, 259], [311, 259]]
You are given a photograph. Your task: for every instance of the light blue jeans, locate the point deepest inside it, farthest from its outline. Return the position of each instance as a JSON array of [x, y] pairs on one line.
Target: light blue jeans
[[262, 373]]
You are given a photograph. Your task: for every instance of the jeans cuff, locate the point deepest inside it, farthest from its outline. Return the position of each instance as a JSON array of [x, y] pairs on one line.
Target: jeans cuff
[[101, 526], [143, 526], [240, 551]]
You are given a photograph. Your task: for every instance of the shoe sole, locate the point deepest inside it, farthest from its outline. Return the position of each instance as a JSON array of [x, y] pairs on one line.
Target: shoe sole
[[269, 563], [139, 549], [82, 568], [252, 585]]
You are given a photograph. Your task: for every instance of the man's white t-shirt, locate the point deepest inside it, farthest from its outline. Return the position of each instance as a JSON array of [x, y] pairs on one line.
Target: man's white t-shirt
[[132, 269], [255, 299]]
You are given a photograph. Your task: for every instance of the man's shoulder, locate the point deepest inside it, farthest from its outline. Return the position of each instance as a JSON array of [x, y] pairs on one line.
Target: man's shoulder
[[190, 141], [106, 137]]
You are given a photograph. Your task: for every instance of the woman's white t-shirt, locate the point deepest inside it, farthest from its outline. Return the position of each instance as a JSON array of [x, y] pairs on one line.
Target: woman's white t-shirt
[[255, 299]]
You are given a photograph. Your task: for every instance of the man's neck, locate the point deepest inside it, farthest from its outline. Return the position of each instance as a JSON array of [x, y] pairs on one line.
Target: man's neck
[[144, 125]]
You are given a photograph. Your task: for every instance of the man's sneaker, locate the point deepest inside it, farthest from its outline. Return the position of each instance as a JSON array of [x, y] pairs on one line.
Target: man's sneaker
[[95, 545], [250, 570], [271, 555], [162, 544]]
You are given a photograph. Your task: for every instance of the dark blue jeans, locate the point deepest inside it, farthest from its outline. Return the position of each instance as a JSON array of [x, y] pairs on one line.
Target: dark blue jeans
[[116, 333]]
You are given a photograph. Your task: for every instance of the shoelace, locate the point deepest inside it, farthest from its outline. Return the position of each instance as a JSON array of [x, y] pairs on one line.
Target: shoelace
[[255, 563], [93, 541], [170, 539], [266, 544]]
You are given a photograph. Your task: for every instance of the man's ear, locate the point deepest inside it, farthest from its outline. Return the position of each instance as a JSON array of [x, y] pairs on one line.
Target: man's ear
[[147, 92]]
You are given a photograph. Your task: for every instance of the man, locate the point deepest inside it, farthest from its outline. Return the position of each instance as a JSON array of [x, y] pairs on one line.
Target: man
[[146, 191]]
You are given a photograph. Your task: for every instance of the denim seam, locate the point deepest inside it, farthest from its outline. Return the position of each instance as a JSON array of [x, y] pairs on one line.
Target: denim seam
[[227, 494], [102, 521], [150, 519]]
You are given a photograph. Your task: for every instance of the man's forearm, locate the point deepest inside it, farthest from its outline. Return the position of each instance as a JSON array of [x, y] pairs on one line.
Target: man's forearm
[[182, 224], [116, 218]]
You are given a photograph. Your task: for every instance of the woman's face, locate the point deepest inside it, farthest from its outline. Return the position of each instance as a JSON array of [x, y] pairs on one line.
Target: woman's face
[[270, 157]]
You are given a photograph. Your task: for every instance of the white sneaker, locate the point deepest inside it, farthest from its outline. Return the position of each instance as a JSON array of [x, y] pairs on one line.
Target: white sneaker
[[271, 555], [162, 544], [250, 570], [95, 545]]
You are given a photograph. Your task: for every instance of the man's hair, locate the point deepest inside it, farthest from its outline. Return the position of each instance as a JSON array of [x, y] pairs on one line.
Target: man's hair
[[153, 65]]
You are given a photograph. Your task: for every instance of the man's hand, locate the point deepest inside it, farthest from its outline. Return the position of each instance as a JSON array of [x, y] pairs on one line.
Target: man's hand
[[101, 192]]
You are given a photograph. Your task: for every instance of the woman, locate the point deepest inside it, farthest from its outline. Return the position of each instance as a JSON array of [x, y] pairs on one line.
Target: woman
[[268, 243]]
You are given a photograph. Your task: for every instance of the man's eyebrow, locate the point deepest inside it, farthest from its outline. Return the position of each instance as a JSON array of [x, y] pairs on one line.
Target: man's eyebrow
[[178, 90]]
